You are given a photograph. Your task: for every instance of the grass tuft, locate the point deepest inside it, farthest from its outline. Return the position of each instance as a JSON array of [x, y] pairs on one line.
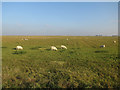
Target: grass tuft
[[19, 52]]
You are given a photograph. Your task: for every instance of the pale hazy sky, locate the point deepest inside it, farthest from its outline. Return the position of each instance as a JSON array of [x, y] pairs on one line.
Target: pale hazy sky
[[59, 18]]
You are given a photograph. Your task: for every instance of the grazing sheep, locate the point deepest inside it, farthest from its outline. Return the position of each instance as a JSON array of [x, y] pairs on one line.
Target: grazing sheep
[[53, 48], [67, 39], [102, 46], [26, 39], [114, 41], [19, 48], [63, 47]]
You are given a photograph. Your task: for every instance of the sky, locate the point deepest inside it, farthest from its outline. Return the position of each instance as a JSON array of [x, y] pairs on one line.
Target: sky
[[60, 18]]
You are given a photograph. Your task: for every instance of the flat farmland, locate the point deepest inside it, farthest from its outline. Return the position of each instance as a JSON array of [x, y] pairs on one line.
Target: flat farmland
[[83, 65]]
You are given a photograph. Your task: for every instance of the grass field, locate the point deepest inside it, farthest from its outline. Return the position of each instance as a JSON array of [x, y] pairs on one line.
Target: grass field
[[83, 65]]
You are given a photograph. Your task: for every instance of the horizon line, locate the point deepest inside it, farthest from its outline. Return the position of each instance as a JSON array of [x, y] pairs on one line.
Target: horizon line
[[58, 35]]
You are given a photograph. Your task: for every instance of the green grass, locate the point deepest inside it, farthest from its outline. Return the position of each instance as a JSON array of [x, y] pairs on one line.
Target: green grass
[[83, 65]]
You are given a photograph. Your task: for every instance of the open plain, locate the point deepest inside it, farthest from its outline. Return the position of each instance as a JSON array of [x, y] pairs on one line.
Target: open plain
[[82, 65]]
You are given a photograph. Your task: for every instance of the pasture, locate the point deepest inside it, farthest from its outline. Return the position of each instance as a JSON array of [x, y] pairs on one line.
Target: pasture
[[83, 65]]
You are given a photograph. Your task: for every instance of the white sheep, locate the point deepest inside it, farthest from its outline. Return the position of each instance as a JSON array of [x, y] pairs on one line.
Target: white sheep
[[53, 48], [102, 46], [63, 47], [114, 41], [26, 39], [67, 39], [19, 48]]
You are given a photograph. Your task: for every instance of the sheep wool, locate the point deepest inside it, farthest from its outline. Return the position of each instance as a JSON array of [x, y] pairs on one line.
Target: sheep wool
[[53, 48], [19, 48], [63, 47]]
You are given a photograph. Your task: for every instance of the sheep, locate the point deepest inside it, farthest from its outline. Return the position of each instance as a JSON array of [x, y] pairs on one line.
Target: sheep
[[102, 46], [26, 39], [63, 47], [19, 48], [53, 48], [114, 41], [67, 39]]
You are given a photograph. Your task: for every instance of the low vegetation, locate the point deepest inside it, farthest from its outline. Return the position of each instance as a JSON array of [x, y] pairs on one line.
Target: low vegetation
[[82, 65]]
